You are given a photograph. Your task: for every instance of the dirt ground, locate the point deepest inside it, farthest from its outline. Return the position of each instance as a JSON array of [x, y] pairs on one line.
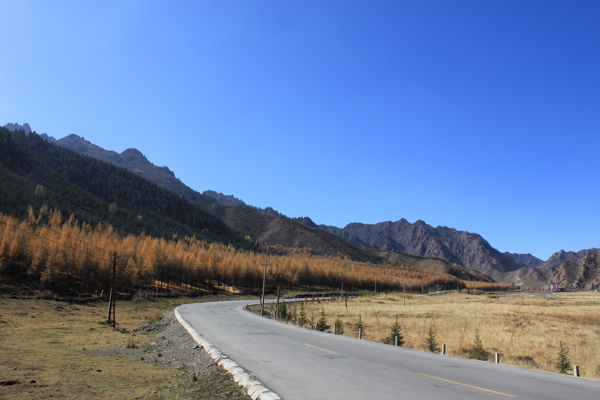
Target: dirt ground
[[62, 350]]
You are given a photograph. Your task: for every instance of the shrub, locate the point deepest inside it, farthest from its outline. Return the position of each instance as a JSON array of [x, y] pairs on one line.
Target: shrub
[[302, 320], [131, 343], [395, 332], [339, 326], [359, 326], [282, 311], [322, 325], [478, 352], [563, 365], [431, 340]]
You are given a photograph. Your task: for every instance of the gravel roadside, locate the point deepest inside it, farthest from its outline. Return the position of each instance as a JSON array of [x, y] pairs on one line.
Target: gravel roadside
[[171, 346]]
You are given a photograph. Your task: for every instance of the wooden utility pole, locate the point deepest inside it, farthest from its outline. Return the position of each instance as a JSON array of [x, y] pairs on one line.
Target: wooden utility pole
[[111, 300], [262, 297], [277, 305]]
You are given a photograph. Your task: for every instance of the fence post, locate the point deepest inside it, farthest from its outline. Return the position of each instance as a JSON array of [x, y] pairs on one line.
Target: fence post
[[444, 348], [395, 340], [497, 358], [360, 333], [576, 370], [333, 328]]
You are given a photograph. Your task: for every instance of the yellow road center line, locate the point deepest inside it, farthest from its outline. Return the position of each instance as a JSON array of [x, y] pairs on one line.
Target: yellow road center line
[[464, 384], [263, 331], [320, 348], [237, 322]]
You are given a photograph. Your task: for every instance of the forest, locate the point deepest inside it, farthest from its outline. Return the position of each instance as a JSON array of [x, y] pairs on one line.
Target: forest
[[65, 218], [52, 252], [37, 173]]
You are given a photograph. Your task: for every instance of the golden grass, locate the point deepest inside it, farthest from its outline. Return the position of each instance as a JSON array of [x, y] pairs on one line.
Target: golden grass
[[50, 342], [525, 329]]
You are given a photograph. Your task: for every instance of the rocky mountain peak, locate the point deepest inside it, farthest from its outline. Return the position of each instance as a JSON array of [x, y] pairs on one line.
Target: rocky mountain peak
[[16, 127], [132, 155]]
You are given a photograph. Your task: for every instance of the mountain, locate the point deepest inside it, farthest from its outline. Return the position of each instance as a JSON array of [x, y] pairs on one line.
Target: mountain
[[431, 263], [226, 200], [526, 259], [285, 232], [580, 274], [562, 256], [34, 172], [467, 249], [16, 127], [528, 277], [271, 227], [134, 161]]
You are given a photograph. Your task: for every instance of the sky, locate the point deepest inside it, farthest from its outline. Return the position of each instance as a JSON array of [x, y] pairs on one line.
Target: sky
[[482, 116]]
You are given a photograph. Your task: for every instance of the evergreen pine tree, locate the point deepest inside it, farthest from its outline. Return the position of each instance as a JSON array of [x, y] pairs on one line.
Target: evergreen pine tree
[[478, 352], [431, 340], [563, 365], [339, 326], [395, 332], [302, 320], [322, 325], [359, 326]]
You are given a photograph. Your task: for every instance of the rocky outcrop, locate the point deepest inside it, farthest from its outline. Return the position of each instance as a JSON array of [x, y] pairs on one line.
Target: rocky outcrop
[[16, 127], [134, 161], [562, 256], [467, 249], [580, 274], [526, 259]]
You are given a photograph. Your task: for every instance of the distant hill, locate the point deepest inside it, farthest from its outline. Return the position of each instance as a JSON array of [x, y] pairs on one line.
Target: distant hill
[[459, 247], [562, 256], [36, 172], [433, 264], [134, 161], [528, 277], [580, 274], [526, 259], [268, 226]]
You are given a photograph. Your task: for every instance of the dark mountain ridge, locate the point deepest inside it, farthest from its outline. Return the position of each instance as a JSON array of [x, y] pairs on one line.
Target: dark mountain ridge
[[526, 259], [460, 248], [467, 249], [36, 172]]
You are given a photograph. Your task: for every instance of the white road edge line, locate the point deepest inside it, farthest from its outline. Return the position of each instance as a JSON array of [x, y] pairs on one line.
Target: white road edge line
[[255, 389]]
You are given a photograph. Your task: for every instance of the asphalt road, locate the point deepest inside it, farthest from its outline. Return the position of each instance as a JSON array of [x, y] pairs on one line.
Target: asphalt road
[[302, 364]]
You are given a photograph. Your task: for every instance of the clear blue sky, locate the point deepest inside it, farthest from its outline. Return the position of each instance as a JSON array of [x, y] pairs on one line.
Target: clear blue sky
[[478, 115]]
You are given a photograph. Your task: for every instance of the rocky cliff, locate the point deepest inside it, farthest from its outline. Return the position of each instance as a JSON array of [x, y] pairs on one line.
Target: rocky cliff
[[580, 274], [467, 249]]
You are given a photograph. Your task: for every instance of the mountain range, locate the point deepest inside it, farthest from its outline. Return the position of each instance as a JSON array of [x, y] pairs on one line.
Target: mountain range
[[441, 248]]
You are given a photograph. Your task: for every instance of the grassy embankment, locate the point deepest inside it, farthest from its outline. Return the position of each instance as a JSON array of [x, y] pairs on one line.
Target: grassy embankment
[[61, 350], [525, 328]]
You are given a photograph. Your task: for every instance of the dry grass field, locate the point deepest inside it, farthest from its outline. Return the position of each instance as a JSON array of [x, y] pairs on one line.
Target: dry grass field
[[60, 350], [525, 328]]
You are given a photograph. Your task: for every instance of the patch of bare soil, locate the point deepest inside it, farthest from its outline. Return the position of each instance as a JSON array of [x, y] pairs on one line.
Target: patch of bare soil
[[170, 345]]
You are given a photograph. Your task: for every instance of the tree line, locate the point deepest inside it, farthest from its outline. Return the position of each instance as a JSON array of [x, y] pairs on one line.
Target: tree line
[[50, 251]]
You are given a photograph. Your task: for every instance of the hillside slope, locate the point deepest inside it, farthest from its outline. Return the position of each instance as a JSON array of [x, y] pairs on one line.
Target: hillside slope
[[580, 274], [36, 172], [272, 228], [459, 247], [562, 256], [134, 161]]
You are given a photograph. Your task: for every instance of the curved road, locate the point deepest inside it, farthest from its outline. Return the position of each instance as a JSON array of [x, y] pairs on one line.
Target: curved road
[[302, 364]]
